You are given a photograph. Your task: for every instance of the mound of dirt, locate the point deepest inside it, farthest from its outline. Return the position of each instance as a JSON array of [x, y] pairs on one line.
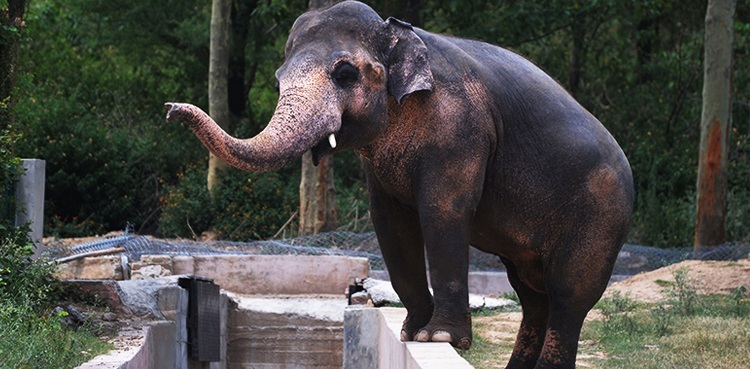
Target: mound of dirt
[[708, 277]]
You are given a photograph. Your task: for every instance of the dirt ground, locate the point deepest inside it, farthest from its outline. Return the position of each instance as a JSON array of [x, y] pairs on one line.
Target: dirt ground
[[708, 276]]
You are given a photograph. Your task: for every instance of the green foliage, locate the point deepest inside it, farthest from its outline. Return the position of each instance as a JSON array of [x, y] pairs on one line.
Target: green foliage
[[683, 294], [617, 313], [22, 279], [93, 76], [9, 173], [95, 115], [30, 341], [245, 206]]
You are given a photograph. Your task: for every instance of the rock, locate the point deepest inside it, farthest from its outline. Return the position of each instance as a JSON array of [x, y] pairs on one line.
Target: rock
[[65, 318], [360, 298], [74, 313], [109, 317], [478, 302], [149, 272], [382, 292]]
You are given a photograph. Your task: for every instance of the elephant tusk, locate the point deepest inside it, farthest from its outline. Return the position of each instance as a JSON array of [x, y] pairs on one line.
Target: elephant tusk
[[332, 140]]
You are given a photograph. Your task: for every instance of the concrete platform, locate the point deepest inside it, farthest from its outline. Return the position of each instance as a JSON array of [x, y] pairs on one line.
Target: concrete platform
[[372, 340]]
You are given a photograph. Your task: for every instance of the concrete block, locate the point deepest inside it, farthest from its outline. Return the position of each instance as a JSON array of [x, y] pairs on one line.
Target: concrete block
[[142, 296], [170, 301], [361, 331], [99, 267], [182, 264], [391, 352], [277, 274], [163, 260]]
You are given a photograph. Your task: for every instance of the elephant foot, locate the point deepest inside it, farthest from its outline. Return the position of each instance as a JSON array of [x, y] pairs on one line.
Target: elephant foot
[[413, 323], [456, 332]]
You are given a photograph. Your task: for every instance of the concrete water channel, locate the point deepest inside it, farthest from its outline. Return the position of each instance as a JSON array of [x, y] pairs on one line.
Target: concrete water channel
[[250, 311]]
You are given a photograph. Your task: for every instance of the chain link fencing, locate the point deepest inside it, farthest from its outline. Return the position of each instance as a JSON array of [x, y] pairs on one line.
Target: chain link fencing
[[632, 259]]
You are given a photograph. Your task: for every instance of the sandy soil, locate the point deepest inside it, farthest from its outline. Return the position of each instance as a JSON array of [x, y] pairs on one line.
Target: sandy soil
[[708, 276]]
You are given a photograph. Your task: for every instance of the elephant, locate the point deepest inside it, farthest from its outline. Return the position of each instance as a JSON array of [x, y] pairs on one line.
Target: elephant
[[462, 143]]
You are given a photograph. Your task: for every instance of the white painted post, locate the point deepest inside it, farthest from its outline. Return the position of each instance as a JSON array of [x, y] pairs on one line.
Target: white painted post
[[30, 195]]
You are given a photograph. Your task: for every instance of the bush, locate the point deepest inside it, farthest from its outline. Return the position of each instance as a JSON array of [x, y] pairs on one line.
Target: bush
[[23, 280], [246, 206], [28, 340]]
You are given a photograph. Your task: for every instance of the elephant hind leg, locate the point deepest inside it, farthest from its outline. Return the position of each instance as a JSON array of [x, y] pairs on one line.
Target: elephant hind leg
[[575, 279], [531, 334]]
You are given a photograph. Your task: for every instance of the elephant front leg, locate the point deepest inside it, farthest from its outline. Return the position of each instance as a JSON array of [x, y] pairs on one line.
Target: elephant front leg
[[402, 247], [447, 245]]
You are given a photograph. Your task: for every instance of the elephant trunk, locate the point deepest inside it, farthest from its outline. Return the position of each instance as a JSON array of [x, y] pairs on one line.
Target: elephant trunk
[[288, 135]]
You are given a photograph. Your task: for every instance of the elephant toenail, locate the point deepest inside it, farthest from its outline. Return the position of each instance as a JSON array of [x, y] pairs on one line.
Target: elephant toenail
[[404, 336], [464, 344], [441, 336], [422, 336]]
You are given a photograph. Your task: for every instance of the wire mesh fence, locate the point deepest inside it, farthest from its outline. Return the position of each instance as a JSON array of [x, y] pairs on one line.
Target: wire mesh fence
[[632, 259]]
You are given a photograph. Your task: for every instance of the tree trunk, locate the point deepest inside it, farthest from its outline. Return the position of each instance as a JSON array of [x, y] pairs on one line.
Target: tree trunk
[[11, 25], [218, 101], [577, 56], [710, 223], [317, 193]]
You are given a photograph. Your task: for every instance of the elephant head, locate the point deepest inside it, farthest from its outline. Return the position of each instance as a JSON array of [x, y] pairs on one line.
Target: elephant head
[[341, 65]]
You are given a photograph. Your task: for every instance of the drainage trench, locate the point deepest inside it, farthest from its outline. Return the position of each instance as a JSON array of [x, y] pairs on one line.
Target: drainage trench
[[279, 305]]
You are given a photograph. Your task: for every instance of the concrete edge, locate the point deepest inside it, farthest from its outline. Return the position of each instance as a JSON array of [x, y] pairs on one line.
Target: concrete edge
[[144, 348], [372, 340]]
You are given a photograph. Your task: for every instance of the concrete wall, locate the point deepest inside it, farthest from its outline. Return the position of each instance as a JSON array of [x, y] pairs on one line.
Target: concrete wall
[[152, 346], [276, 274], [372, 340], [286, 333]]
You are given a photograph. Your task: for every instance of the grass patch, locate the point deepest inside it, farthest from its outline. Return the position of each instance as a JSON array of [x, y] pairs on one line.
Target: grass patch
[[487, 352], [30, 335], [687, 330], [28, 340]]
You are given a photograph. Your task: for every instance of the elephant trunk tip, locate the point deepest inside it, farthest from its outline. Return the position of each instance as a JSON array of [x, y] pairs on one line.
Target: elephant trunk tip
[[174, 109]]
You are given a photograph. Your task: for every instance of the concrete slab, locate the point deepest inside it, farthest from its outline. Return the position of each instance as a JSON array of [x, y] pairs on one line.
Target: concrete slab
[[276, 274]]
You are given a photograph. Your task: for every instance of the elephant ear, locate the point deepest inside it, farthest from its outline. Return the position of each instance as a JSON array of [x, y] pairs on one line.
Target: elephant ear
[[408, 65]]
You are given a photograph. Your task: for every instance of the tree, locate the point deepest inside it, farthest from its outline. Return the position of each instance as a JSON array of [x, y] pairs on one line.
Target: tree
[[11, 24], [218, 93], [710, 222], [317, 193]]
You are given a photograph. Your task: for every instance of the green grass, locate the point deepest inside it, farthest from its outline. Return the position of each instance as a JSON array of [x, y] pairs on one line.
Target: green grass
[[712, 337], [30, 341], [687, 330]]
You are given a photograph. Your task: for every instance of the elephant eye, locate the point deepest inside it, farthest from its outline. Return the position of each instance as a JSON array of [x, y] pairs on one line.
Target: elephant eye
[[345, 75]]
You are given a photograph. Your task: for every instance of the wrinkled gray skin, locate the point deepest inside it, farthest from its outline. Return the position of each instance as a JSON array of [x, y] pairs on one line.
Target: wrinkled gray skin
[[462, 143]]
